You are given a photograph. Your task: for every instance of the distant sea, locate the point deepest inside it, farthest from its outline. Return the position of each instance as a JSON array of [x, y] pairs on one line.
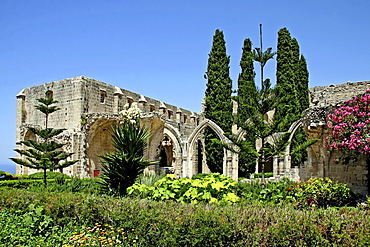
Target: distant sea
[[8, 168]]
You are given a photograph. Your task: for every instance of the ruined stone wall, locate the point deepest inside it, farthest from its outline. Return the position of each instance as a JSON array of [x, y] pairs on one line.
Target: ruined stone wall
[[320, 161], [331, 95], [87, 109]]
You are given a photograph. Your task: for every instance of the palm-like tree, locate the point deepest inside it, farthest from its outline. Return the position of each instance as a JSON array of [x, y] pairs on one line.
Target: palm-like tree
[[121, 167]]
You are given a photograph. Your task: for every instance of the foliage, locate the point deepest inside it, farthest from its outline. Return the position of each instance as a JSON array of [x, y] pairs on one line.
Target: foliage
[[209, 188], [291, 90], [31, 227], [287, 111], [45, 154], [316, 192], [322, 192], [349, 125], [247, 91], [267, 175], [49, 174], [5, 175], [121, 167], [149, 179], [59, 184], [218, 104], [262, 128], [175, 224], [22, 183], [103, 235]]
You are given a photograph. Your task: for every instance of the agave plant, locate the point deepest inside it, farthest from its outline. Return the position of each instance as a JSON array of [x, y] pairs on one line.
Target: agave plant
[[121, 167]]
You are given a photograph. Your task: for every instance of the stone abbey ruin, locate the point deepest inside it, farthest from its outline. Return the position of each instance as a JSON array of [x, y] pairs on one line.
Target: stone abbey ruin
[[89, 107]]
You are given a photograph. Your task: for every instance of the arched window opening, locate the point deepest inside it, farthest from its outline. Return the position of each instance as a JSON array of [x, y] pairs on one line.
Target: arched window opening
[[49, 94]]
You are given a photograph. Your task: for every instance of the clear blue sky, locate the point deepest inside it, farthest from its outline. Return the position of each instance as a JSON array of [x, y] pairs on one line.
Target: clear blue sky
[[160, 48]]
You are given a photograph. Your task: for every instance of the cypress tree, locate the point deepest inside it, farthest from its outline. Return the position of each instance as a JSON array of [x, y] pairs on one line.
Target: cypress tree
[[247, 91], [303, 99], [218, 104], [302, 85], [247, 94], [291, 90], [287, 101]]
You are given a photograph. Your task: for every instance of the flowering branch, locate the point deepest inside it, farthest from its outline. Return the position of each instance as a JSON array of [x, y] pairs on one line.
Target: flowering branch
[[349, 125]]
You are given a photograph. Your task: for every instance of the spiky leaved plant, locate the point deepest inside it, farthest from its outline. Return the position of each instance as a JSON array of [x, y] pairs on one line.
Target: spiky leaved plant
[[121, 167]]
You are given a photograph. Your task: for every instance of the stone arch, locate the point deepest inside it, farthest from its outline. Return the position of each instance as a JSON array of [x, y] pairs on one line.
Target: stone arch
[[156, 127], [98, 142], [28, 135], [283, 163], [192, 165], [49, 94], [293, 128], [176, 150]]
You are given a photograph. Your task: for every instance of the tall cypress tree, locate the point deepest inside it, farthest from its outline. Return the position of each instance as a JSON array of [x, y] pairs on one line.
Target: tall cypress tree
[[302, 85], [287, 101], [291, 90], [218, 104], [247, 95], [303, 99], [247, 91]]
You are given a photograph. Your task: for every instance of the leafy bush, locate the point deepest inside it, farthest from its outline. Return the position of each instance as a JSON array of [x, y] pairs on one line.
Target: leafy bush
[[149, 179], [81, 185], [274, 192], [49, 175], [31, 227], [267, 175], [207, 188], [5, 175], [23, 183], [322, 192], [174, 224]]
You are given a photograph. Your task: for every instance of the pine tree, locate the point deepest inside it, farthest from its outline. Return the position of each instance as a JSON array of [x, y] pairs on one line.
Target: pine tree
[[45, 153], [218, 104], [247, 93]]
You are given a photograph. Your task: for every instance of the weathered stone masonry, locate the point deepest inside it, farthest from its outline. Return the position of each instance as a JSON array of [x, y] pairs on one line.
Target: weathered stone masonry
[[88, 109]]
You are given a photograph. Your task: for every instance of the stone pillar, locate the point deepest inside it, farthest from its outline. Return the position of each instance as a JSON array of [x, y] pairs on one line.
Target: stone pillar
[[162, 108], [142, 103], [117, 100], [178, 115]]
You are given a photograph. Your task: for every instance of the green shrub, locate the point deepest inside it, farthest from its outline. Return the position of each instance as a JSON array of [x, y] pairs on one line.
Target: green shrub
[[149, 179], [267, 175], [322, 192], [274, 192], [5, 175], [22, 183], [49, 175], [174, 224], [206, 188]]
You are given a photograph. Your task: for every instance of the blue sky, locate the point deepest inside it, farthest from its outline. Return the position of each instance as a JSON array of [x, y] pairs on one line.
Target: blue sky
[[160, 48]]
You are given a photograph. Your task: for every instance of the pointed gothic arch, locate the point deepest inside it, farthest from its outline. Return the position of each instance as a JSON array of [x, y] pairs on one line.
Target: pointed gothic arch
[[229, 161]]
